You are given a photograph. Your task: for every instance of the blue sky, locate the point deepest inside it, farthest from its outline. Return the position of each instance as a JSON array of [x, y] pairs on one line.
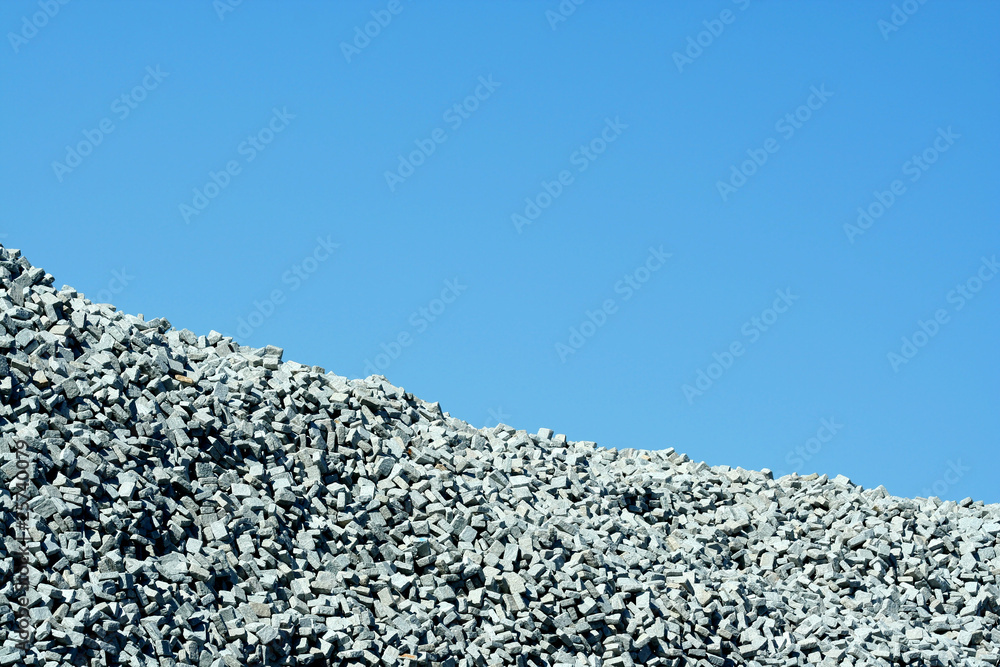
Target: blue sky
[[763, 234]]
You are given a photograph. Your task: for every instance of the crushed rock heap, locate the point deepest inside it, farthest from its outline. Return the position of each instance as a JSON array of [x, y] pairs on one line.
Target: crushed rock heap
[[191, 501]]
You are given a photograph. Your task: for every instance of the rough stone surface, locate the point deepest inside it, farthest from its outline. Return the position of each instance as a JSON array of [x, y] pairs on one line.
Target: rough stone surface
[[196, 502]]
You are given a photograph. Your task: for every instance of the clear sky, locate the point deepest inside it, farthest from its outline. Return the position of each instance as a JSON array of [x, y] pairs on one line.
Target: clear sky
[[762, 233]]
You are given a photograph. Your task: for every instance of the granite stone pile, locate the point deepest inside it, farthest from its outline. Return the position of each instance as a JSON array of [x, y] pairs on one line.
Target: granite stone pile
[[191, 501]]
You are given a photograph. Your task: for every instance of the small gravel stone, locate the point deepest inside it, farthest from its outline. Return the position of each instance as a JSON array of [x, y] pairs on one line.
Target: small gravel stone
[[194, 501]]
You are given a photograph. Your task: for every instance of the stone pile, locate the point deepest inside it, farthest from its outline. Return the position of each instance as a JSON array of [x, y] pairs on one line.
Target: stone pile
[[191, 501]]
